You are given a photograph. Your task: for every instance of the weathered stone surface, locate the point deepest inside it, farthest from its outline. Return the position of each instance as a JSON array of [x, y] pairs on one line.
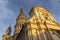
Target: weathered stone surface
[[40, 26]]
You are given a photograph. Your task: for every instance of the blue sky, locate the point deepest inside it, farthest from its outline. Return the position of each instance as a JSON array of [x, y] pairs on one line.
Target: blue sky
[[10, 9]]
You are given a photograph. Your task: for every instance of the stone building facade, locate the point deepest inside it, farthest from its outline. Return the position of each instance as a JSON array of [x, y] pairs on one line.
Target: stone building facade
[[41, 25]]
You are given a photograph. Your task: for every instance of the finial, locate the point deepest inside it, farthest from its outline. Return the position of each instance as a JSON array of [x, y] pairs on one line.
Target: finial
[[21, 6], [21, 10]]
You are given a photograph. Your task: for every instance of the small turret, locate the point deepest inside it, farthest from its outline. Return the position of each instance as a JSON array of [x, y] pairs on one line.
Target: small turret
[[8, 31], [7, 35]]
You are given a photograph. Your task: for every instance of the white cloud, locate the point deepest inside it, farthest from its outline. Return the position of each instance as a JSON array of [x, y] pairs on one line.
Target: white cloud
[[5, 13], [3, 3]]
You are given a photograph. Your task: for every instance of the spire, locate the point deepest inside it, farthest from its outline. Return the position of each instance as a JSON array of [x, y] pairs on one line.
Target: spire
[[22, 12], [21, 15], [8, 31]]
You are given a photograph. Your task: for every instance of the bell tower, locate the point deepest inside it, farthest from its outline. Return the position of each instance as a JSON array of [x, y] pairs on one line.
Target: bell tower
[[20, 21]]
